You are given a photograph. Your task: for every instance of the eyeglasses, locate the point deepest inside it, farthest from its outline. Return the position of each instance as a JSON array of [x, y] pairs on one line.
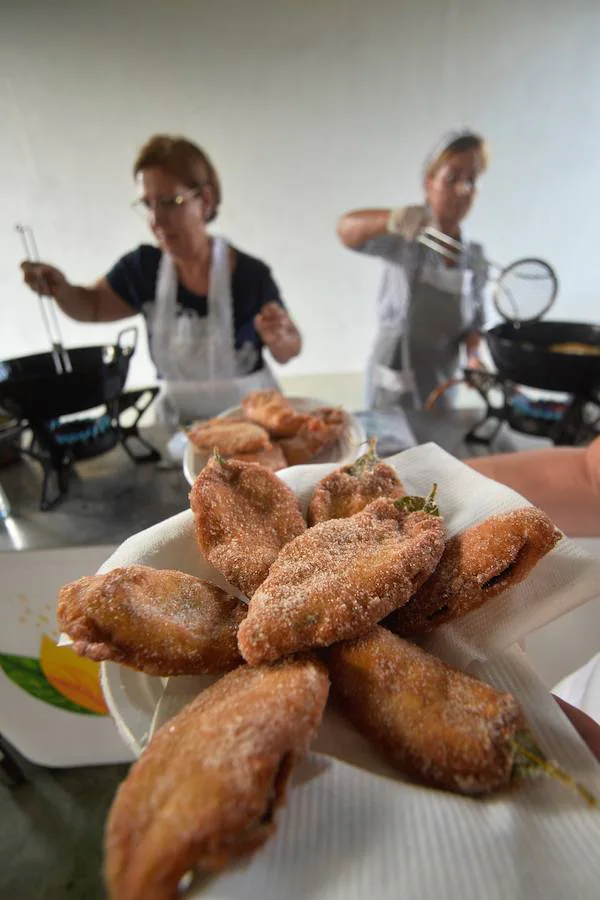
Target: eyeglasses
[[166, 205]]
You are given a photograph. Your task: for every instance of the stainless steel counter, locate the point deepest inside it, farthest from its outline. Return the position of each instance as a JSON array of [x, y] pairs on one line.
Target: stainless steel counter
[[110, 497]]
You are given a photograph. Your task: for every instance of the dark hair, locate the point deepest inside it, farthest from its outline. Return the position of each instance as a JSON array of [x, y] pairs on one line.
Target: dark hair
[[185, 161]]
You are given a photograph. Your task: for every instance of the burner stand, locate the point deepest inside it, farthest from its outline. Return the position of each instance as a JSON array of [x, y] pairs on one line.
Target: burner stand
[[57, 446]]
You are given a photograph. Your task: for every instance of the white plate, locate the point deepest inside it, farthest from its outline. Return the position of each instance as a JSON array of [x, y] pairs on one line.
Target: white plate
[[343, 452]]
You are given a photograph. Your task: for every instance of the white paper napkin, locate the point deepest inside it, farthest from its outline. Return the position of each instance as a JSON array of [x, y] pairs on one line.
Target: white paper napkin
[[354, 828]]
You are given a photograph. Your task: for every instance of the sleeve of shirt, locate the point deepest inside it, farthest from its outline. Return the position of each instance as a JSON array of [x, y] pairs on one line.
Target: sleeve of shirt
[[385, 246], [128, 278], [269, 291], [254, 287]]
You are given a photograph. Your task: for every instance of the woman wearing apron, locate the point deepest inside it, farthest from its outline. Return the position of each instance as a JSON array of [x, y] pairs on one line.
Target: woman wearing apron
[[428, 307], [209, 308]]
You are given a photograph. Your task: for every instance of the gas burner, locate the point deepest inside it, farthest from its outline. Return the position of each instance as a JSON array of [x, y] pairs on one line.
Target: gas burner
[[85, 438], [573, 421], [57, 444]]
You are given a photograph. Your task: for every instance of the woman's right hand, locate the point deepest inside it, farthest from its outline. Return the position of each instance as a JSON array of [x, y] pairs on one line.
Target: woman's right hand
[[43, 278]]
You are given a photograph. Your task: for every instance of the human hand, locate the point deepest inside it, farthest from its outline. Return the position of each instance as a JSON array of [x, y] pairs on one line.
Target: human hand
[[408, 221], [43, 278], [274, 326]]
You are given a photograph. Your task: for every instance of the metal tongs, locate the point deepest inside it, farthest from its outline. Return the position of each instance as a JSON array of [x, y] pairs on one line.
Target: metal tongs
[[449, 247], [62, 361]]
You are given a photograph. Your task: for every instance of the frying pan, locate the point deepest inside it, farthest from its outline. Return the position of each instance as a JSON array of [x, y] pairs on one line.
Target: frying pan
[[521, 353], [31, 388], [521, 346]]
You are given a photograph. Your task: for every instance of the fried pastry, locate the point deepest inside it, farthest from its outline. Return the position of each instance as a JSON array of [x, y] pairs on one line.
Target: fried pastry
[[349, 489], [157, 621], [431, 721], [272, 459], [244, 515], [274, 412], [320, 432], [339, 578], [229, 437], [206, 789], [481, 562]]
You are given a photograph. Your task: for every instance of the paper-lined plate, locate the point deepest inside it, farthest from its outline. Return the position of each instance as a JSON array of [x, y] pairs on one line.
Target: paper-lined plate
[[354, 827], [344, 451]]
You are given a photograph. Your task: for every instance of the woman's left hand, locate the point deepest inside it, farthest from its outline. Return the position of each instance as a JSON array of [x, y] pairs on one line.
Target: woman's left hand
[[278, 332]]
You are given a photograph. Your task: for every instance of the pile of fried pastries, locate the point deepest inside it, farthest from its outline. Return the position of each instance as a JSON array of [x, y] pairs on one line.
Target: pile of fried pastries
[[271, 431], [332, 601]]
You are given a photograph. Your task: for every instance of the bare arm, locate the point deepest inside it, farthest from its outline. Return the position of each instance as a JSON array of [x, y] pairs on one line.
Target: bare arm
[[362, 225], [563, 481], [584, 724], [84, 304], [472, 344]]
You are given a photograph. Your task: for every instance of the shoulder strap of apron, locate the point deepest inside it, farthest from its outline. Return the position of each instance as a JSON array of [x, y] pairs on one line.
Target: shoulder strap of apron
[[221, 344]]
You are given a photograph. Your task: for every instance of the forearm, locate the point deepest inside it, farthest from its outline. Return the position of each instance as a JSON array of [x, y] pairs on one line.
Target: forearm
[[93, 304], [472, 343], [79, 303], [356, 228], [557, 480]]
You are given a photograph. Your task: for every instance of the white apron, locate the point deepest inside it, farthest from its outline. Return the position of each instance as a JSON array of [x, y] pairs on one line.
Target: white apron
[[419, 349], [202, 372]]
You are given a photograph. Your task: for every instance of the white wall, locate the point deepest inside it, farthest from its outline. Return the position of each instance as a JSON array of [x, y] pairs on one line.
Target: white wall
[[307, 111]]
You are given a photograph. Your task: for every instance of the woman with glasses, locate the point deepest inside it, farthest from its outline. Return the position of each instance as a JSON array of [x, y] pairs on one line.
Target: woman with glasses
[[210, 309], [428, 305]]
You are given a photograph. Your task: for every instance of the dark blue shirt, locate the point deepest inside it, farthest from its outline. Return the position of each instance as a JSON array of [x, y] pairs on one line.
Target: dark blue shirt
[[134, 278]]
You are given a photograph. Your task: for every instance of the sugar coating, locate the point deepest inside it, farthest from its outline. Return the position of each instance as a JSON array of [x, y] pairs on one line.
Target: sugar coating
[[481, 562], [339, 578], [206, 788], [244, 515], [430, 720], [343, 493], [157, 621]]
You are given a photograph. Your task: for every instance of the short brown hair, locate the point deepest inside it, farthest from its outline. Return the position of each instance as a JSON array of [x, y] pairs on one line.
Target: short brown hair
[[465, 142], [184, 160]]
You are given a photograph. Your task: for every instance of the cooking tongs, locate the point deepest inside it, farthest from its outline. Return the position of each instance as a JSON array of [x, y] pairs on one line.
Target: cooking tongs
[[450, 248], [62, 362]]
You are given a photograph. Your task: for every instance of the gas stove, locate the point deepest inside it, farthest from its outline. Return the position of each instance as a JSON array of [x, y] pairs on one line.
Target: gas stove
[[58, 444], [565, 419]]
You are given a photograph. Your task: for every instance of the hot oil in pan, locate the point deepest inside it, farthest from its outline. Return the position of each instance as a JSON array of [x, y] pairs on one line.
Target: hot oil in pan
[[574, 348]]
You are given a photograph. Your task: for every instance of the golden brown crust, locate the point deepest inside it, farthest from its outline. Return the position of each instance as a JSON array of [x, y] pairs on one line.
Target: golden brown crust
[[205, 790], [272, 459], [343, 493], [339, 578], [274, 412], [320, 432], [157, 621], [229, 437], [481, 562], [244, 515], [430, 720]]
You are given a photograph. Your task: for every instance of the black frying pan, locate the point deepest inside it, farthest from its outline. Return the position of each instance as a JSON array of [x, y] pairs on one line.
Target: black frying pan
[[521, 353], [31, 388]]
